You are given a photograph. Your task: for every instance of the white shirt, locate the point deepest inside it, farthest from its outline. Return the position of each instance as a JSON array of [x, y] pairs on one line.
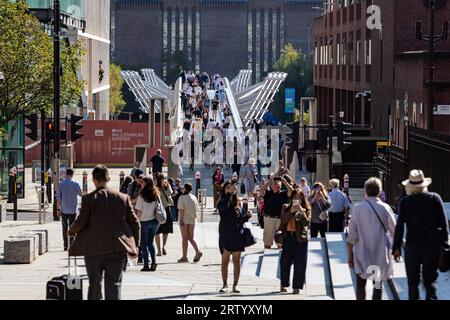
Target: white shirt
[[147, 208], [306, 191]]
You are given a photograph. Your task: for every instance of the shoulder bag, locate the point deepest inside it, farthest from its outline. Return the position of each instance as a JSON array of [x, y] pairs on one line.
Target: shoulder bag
[[246, 232], [323, 216], [160, 212], [381, 222]]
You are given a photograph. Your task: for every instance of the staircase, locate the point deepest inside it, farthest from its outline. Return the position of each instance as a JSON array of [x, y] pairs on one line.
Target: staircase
[[328, 273]]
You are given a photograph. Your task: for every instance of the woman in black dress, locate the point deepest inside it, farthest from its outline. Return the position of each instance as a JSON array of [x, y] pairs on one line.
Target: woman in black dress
[[231, 242], [165, 192]]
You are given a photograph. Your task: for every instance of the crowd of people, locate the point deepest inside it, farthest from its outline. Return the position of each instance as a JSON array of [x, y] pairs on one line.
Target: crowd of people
[[136, 223], [113, 227], [202, 112]]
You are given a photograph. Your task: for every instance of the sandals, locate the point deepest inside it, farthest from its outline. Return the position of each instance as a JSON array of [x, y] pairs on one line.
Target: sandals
[[183, 260], [198, 256], [224, 289], [236, 290], [164, 252]]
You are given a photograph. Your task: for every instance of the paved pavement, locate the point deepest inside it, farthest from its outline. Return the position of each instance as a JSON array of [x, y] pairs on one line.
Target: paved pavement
[[171, 281]]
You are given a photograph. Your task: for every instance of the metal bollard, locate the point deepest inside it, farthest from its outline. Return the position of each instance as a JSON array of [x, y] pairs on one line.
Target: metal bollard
[[198, 178], [12, 194], [43, 204], [202, 199], [122, 178], [85, 182]]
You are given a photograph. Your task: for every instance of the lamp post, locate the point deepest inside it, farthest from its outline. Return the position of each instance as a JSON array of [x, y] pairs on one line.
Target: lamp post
[[432, 39], [56, 93]]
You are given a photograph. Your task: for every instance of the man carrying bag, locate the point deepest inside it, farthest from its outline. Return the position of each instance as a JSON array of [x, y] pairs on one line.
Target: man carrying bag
[[106, 230]]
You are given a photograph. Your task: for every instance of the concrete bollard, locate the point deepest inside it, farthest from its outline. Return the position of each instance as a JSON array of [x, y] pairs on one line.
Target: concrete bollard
[[19, 250]]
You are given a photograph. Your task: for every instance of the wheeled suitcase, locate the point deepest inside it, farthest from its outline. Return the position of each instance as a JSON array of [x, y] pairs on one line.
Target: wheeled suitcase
[[66, 287]]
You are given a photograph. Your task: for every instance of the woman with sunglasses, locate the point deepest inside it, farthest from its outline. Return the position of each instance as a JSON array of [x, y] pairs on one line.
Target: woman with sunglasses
[[295, 220], [320, 203]]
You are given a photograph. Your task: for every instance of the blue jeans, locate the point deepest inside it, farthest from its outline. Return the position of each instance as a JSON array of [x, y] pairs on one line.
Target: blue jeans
[[148, 232], [174, 212]]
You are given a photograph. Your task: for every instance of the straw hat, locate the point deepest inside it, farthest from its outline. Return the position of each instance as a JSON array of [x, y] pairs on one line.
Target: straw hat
[[417, 179]]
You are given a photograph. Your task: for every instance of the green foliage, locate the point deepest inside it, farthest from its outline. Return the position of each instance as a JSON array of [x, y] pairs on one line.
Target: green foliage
[[26, 61], [300, 76], [116, 101], [175, 62]]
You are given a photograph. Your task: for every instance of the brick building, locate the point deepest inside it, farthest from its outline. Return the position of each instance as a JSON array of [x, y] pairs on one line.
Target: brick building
[[377, 77], [215, 35]]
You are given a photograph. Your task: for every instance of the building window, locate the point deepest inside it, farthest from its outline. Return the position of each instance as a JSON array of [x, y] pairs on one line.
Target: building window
[[368, 52], [358, 52], [258, 45], [189, 38], [181, 22], [250, 40], [266, 40], [274, 38], [173, 35], [197, 41]]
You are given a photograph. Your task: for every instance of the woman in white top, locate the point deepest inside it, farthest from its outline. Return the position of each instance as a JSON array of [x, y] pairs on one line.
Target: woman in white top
[[305, 188], [188, 208], [145, 210]]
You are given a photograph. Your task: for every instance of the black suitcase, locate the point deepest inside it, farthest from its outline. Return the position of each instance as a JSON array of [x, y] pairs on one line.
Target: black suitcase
[[66, 287]]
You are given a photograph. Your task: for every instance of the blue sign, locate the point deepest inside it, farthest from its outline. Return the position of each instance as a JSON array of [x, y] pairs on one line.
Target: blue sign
[[289, 104]]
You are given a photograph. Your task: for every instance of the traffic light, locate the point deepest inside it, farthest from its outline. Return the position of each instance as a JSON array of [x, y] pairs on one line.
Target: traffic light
[[50, 130], [75, 126], [342, 136], [32, 125], [292, 140]]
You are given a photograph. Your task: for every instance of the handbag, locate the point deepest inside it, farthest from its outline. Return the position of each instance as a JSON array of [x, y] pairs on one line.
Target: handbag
[[242, 188], [323, 216], [278, 238], [247, 236], [160, 213]]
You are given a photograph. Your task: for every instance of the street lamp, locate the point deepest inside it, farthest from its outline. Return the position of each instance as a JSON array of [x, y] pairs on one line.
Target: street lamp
[[432, 39]]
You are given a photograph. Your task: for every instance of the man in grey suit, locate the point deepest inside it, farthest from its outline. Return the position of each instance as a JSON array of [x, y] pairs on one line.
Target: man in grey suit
[[106, 230]]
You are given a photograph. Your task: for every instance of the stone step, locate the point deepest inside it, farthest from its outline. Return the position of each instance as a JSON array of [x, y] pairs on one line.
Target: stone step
[[270, 265], [341, 276], [317, 277]]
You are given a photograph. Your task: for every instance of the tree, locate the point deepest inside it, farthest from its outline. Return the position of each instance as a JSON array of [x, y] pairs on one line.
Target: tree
[[26, 61], [116, 101], [300, 77], [175, 62]]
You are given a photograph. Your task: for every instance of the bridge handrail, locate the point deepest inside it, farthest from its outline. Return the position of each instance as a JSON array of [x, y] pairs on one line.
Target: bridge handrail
[[236, 116]]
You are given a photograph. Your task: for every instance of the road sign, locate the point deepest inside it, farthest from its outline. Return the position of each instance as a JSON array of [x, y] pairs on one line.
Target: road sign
[[289, 105], [382, 144]]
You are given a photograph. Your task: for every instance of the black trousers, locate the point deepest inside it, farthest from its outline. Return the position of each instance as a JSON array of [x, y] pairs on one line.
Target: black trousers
[[417, 258], [319, 227], [361, 289], [295, 253], [111, 266], [67, 221], [336, 222]]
